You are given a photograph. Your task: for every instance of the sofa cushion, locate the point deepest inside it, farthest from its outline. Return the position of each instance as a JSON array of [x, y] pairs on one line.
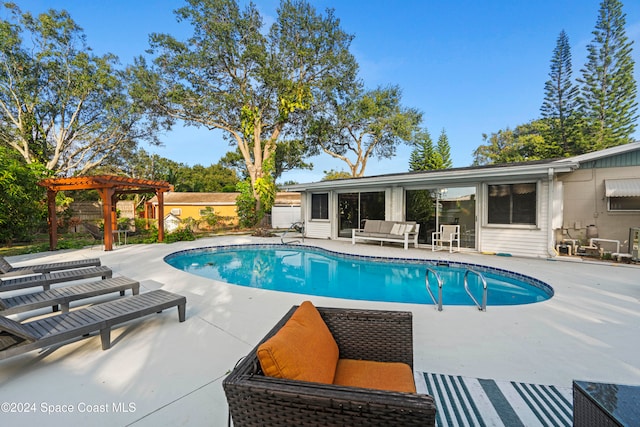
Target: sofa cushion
[[372, 225], [386, 226], [391, 376], [303, 349], [398, 229]]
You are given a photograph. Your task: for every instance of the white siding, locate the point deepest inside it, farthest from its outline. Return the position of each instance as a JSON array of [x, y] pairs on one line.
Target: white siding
[[520, 241], [318, 229]]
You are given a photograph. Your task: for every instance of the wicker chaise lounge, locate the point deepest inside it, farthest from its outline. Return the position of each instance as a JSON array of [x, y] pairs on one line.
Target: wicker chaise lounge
[[62, 296], [47, 279], [7, 268], [17, 338], [256, 399]]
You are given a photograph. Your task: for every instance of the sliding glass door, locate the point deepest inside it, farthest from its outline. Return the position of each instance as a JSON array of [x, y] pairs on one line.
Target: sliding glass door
[[435, 206], [354, 208]]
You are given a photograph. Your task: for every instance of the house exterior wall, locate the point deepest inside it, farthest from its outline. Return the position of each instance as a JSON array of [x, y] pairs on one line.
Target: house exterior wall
[[533, 241], [228, 213], [570, 200], [585, 204], [516, 240], [318, 228]]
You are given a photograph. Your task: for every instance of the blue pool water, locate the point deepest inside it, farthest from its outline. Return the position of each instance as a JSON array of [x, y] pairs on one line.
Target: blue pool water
[[314, 271]]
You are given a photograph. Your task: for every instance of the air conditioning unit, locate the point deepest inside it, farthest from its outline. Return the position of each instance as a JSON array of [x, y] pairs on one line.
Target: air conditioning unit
[[634, 243], [176, 211]]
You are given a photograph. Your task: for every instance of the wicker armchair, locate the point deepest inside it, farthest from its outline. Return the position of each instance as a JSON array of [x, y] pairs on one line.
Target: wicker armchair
[[384, 336]]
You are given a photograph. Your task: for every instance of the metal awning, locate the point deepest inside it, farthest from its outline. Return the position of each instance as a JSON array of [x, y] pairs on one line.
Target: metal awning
[[622, 187]]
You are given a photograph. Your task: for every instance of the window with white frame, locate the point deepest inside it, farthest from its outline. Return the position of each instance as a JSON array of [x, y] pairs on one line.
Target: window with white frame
[[320, 206], [512, 203]]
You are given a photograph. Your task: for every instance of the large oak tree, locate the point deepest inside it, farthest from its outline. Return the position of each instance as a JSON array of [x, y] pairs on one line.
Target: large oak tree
[[366, 123], [254, 84], [61, 105]]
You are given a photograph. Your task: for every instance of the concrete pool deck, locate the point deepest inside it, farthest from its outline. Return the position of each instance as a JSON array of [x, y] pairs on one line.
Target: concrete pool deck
[[160, 372]]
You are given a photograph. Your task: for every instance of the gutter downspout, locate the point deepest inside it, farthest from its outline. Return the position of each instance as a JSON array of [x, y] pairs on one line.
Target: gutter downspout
[[551, 250]]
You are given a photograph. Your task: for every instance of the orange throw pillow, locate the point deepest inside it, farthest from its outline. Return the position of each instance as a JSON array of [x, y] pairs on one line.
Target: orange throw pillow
[[303, 349]]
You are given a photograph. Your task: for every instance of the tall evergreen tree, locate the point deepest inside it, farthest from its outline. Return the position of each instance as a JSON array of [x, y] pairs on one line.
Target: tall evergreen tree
[[608, 92], [560, 99], [444, 151], [425, 156], [422, 154]]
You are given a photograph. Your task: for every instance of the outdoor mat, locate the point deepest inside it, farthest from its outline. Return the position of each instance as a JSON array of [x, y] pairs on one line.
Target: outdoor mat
[[463, 401]]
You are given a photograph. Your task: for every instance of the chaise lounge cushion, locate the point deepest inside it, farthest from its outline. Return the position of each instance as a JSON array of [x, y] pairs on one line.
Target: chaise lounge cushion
[[303, 349], [376, 375]]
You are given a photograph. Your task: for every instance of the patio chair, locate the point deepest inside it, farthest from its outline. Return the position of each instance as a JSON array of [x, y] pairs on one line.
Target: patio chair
[[448, 234], [59, 298], [256, 399], [17, 338], [7, 269], [47, 279]]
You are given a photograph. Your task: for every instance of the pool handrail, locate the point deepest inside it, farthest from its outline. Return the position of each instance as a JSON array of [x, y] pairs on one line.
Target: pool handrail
[[296, 226], [482, 307], [438, 303]]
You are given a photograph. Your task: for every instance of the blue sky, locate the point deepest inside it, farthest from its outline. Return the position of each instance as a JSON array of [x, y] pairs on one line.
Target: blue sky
[[471, 67]]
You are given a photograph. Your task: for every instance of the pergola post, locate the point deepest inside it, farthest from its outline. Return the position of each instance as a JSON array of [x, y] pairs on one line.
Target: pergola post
[[107, 214], [52, 219], [160, 216]]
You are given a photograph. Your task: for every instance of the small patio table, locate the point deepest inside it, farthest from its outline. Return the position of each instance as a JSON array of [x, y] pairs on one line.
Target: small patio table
[[603, 405]]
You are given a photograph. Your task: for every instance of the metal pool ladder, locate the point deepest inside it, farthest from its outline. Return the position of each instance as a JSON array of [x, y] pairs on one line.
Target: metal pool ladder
[[437, 302], [296, 226], [482, 307]]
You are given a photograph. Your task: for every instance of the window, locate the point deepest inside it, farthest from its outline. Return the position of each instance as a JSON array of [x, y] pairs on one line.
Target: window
[[623, 194], [624, 203], [207, 211], [320, 206], [512, 204]]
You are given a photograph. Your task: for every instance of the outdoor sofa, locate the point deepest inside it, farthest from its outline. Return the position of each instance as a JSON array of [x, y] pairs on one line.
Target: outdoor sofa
[[296, 377], [7, 269], [387, 231], [62, 296], [17, 338]]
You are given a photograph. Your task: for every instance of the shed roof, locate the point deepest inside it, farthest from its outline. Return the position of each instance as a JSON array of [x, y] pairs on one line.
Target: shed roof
[[180, 198], [218, 199]]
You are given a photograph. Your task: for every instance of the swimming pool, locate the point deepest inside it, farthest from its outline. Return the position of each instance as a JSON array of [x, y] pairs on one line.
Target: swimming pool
[[314, 271]]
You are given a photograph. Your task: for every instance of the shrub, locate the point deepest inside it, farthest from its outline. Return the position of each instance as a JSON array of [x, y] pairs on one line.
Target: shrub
[[182, 234]]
